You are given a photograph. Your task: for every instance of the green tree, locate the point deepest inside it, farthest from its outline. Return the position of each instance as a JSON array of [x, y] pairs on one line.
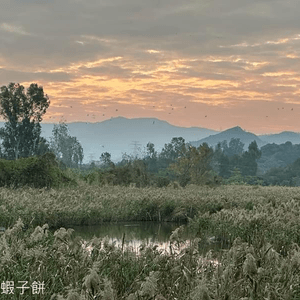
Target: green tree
[[236, 177], [194, 166], [22, 110], [105, 159], [201, 164], [151, 153], [247, 163], [236, 147], [66, 148], [151, 158], [175, 149]]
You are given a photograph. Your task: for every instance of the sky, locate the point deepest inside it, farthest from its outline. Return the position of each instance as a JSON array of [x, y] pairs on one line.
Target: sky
[[206, 63]]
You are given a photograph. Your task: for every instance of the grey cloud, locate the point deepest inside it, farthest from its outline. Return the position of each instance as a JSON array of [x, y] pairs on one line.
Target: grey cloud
[[45, 52], [189, 28], [108, 70], [209, 76], [83, 87], [7, 76]]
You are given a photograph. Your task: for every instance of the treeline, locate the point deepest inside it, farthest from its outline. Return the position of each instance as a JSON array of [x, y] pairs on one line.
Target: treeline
[[22, 147], [277, 156], [178, 161]]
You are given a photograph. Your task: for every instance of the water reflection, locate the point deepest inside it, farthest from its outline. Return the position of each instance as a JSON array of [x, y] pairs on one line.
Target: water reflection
[[139, 233], [135, 234]]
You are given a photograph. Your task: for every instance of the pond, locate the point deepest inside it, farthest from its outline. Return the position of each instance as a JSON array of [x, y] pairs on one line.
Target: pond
[[137, 233], [145, 231]]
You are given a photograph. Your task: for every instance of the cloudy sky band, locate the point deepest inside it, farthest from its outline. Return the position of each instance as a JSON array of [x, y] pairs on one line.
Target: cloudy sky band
[[234, 61]]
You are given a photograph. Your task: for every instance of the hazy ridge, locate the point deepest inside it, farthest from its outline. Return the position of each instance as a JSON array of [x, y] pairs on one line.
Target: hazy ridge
[[121, 135]]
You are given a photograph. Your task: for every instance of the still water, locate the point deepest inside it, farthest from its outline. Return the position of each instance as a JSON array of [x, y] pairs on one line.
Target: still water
[[135, 234], [138, 233]]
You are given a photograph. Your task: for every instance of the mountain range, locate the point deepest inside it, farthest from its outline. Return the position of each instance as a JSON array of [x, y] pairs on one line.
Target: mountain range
[[121, 135]]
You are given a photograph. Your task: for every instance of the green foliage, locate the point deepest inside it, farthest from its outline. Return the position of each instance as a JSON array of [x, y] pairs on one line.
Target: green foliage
[[236, 147], [287, 176], [277, 156], [133, 172], [105, 159], [37, 172], [235, 178], [66, 148], [193, 166], [23, 112]]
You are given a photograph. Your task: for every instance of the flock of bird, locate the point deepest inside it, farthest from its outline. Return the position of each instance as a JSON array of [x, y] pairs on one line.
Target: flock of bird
[[172, 108]]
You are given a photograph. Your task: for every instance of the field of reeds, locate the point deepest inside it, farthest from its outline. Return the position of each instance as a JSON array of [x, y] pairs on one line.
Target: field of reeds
[[260, 225]]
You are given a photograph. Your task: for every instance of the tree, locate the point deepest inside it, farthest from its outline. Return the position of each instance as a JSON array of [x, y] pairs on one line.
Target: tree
[[201, 164], [247, 163], [172, 151], [66, 148], [151, 153], [236, 177], [151, 158], [23, 113], [236, 147], [194, 166], [105, 159]]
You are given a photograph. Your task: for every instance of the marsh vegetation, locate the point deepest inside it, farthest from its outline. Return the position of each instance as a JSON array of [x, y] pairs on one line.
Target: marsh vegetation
[[260, 225]]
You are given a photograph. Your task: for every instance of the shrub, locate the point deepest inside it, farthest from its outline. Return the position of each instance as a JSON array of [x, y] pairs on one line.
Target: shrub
[[37, 172]]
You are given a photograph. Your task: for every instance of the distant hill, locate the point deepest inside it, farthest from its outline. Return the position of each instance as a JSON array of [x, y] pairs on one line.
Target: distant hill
[[281, 138], [235, 132], [119, 135]]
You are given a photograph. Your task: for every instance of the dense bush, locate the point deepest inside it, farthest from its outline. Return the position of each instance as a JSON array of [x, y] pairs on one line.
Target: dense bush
[[131, 174], [37, 172]]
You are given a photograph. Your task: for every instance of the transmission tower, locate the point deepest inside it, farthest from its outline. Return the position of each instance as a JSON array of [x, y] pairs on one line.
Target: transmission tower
[[136, 148]]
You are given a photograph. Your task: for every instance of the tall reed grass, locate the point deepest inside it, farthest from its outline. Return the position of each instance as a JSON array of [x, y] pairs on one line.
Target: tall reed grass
[[70, 272], [226, 212]]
